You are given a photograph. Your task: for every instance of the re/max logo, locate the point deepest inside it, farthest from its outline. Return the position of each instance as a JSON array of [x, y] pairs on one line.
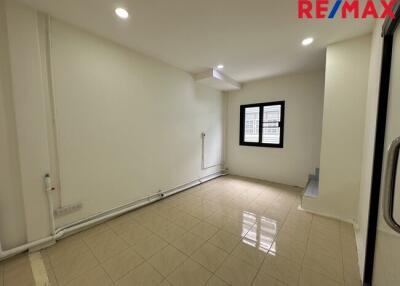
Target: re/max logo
[[321, 9]]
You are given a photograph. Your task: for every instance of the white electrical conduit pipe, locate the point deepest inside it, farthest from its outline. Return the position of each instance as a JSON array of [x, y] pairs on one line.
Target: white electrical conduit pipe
[[49, 190], [52, 106], [82, 224], [203, 164], [53, 237], [86, 223], [96, 219]]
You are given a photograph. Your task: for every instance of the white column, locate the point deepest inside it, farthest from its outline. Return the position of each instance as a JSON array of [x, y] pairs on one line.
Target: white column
[[30, 112]]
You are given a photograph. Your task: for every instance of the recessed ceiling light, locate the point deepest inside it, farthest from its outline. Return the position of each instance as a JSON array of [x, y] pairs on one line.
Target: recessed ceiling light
[[122, 13], [220, 67], [307, 41]]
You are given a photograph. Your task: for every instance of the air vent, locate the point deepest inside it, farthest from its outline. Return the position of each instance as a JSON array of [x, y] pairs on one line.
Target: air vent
[[216, 79]]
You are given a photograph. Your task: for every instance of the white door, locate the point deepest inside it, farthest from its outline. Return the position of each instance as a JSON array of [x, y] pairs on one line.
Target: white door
[[387, 250]]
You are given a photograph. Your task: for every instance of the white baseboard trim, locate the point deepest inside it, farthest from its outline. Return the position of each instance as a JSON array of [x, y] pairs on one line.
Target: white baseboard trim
[[328, 215]]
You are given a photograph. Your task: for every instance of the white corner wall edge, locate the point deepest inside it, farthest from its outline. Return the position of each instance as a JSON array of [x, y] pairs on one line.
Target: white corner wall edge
[[216, 79], [102, 217]]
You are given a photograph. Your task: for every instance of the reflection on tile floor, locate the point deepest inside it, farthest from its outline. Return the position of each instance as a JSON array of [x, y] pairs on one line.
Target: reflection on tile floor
[[229, 231]]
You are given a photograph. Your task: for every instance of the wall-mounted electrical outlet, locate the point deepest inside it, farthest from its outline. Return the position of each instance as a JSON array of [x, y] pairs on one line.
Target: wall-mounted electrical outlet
[[67, 209]]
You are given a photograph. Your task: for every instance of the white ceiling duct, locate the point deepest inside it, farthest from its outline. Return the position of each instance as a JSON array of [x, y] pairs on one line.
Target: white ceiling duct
[[216, 79]]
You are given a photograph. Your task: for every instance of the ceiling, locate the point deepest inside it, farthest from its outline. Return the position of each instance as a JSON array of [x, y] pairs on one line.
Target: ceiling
[[252, 38]]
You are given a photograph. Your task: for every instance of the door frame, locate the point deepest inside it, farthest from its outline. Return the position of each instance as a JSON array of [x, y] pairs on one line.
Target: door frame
[[389, 28]]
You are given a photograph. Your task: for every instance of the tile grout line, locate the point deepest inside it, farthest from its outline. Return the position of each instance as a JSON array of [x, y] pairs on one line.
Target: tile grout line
[[130, 246], [98, 260], [168, 244], [306, 250], [269, 249], [342, 283], [219, 228], [146, 260], [259, 268], [190, 257], [52, 268], [38, 269], [341, 250], [220, 265], [1, 274], [201, 219], [229, 254]]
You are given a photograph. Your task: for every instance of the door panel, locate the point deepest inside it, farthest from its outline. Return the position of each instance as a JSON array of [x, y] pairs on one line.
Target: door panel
[[387, 251]]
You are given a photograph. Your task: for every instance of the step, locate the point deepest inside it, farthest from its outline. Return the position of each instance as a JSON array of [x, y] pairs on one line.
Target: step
[[312, 188]]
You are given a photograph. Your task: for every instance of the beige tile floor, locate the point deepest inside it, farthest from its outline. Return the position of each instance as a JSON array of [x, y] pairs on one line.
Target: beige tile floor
[[229, 231]]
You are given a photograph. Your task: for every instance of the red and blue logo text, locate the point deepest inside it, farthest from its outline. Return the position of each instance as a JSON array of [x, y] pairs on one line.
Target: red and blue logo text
[[345, 9]]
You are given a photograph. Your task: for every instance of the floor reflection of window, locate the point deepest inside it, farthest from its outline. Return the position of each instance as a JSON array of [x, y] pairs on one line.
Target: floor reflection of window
[[248, 220], [272, 249], [262, 234]]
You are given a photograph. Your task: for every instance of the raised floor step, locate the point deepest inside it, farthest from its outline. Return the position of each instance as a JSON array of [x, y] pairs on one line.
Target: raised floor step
[[312, 188]]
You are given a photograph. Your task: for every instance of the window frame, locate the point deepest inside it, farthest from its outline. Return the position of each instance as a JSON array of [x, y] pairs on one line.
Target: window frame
[[242, 142]]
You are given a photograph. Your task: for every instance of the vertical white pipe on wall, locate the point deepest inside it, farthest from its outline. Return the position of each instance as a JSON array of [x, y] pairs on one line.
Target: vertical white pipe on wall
[[203, 164], [46, 48], [49, 190]]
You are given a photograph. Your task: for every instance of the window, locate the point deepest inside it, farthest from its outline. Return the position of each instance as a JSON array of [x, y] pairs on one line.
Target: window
[[262, 124]]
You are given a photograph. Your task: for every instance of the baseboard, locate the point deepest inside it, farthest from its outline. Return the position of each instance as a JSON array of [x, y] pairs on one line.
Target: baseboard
[[301, 188], [192, 184], [327, 215], [42, 246]]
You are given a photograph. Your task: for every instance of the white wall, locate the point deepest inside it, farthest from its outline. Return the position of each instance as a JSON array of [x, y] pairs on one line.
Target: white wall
[[346, 87], [127, 125], [291, 165], [12, 221], [369, 142]]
